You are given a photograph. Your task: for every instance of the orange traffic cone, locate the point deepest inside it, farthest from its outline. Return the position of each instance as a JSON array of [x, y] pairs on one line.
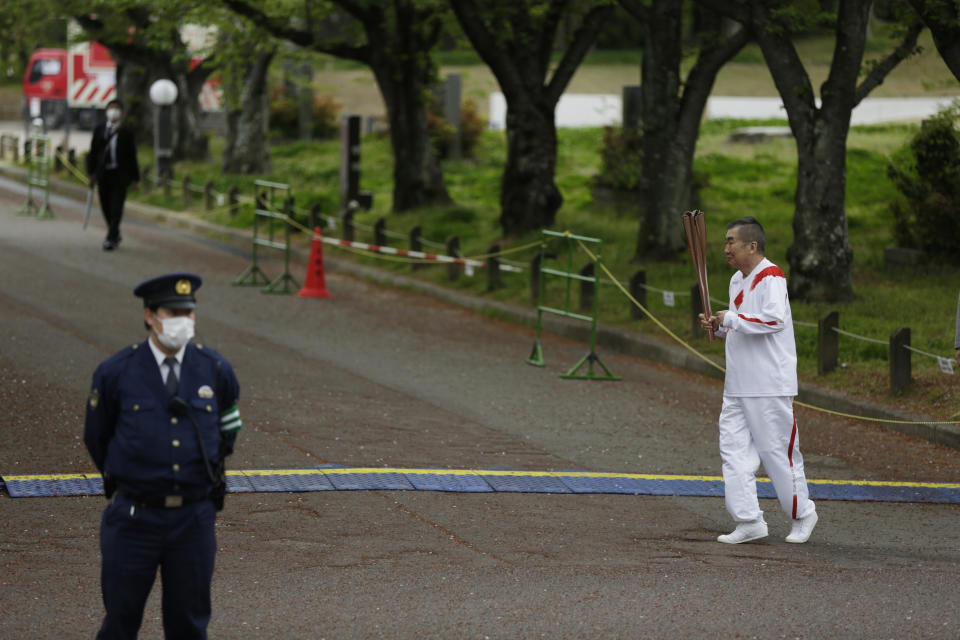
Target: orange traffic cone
[[315, 287]]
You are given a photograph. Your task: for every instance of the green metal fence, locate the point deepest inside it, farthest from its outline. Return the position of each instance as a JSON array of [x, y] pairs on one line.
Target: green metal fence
[[270, 196], [38, 175], [569, 276]]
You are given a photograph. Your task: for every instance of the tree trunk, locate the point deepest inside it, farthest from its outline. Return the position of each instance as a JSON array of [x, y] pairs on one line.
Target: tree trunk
[[189, 140], [246, 150], [417, 176], [821, 259], [671, 117], [133, 88], [942, 17], [398, 40], [665, 184], [529, 197], [516, 40]]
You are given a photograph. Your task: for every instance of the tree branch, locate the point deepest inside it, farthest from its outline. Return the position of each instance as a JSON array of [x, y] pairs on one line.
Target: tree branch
[[489, 50], [281, 28], [637, 9], [734, 9], [789, 75], [941, 17], [548, 34], [583, 39], [880, 71], [704, 73]]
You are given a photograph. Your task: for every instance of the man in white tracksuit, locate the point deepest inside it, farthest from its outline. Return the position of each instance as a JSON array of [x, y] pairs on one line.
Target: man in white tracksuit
[[757, 423]]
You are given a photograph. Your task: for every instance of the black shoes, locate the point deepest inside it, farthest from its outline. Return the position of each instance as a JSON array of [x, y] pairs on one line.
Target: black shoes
[[110, 245]]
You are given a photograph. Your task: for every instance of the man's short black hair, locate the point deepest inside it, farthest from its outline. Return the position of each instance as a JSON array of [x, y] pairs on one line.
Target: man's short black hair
[[751, 231], [115, 102]]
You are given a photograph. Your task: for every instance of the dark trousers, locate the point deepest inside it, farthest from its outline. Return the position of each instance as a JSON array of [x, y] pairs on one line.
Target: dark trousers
[[135, 540], [113, 193]]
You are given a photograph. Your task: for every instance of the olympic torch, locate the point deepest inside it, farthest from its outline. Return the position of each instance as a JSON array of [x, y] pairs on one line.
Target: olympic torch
[[695, 230]]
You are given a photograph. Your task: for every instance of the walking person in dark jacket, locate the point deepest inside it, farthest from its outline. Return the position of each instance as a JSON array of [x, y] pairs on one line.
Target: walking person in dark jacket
[[112, 166]]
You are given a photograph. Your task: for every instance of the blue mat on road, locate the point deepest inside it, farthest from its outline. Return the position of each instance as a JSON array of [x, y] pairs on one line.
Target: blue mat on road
[[332, 478]]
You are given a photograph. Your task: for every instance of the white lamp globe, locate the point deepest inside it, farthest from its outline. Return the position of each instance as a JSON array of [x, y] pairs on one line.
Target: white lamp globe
[[163, 92]]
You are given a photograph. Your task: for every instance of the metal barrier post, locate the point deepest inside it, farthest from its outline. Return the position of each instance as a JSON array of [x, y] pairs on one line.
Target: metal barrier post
[[828, 343], [899, 359], [591, 358], [638, 289], [696, 308], [493, 268], [253, 275], [416, 244], [380, 232], [536, 354], [38, 175]]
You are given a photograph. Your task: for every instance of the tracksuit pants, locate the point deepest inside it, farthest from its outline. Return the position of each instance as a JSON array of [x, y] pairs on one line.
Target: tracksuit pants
[[762, 430]]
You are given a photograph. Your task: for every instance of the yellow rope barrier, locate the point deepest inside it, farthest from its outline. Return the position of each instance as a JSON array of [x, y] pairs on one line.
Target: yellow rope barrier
[[71, 167], [721, 368], [392, 258]]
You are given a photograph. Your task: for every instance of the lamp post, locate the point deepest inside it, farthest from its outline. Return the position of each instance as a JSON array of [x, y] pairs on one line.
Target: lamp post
[[163, 93]]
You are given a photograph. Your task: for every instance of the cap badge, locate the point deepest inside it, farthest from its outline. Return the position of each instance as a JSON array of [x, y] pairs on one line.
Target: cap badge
[[183, 287], [205, 392]]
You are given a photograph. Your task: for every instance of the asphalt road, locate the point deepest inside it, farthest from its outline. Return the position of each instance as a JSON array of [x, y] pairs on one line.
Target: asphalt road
[[382, 377]]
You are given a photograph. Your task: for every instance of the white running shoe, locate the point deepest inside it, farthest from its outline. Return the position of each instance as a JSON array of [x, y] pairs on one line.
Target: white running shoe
[[802, 528], [745, 532]]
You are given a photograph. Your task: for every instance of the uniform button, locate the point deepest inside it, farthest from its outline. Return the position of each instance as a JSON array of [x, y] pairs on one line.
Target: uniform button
[[176, 487], [209, 408], [176, 443], [176, 467], [173, 420], [136, 407]]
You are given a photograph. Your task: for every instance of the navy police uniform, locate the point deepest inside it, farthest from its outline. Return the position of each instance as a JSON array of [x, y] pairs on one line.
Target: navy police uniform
[[162, 513]]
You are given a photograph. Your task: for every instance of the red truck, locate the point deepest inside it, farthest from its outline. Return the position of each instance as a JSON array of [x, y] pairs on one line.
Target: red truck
[[81, 80]]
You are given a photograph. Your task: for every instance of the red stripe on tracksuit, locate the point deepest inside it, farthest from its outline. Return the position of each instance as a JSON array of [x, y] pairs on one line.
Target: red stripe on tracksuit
[[769, 271], [793, 439], [773, 271], [771, 322]]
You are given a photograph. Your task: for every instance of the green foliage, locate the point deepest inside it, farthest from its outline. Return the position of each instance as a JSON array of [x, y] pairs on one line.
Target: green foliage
[[926, 172], [285, 109], [621, 159], [443, 134]]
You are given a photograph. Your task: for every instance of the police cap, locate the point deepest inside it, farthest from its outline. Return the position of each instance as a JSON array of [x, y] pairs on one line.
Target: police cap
[[173, 290]]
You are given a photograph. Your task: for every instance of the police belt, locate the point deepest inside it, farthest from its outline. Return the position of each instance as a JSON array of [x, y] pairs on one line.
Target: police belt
[[167, 502]]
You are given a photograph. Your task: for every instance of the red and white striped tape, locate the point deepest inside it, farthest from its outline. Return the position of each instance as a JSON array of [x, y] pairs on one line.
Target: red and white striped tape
[[403, 252]]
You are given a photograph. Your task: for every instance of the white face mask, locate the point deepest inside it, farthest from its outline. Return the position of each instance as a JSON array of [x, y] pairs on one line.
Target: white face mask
[[113, 115], [177, 331]]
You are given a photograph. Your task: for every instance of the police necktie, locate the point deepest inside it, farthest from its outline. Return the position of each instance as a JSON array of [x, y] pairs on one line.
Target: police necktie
[[172, 382]]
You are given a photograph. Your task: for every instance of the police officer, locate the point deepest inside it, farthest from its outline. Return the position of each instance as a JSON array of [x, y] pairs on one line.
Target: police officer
[[161, 417]]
